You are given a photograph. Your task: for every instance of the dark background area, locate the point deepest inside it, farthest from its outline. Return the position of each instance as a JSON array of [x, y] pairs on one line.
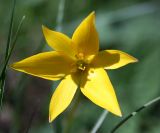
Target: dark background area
[[132, 26]]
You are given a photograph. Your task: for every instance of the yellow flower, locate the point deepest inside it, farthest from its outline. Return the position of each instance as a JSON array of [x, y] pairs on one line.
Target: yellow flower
[[77, 62]]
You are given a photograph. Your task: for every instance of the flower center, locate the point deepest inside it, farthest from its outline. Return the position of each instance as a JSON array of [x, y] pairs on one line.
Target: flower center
[[81, 65]]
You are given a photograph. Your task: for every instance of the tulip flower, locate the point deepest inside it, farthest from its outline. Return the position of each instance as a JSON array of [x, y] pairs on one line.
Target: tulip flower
[[78, 63]]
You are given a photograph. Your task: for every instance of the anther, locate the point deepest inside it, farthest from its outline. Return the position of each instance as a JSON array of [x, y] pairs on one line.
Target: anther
[[81, 65]]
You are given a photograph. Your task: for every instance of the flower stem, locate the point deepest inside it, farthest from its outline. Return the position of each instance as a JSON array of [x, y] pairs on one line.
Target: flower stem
[[72, 112], [99, 121], [60, 15], [134, 113]]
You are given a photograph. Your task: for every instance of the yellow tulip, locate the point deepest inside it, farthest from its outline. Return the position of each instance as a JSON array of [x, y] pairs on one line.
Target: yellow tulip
[[79, 64]]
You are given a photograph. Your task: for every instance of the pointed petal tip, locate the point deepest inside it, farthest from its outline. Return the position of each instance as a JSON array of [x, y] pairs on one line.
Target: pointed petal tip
[[132, 58], [13, 66], [136, 60], [43, 28], [118, 113], [92, 13], [50, 120], [16, 66], [116, 110]]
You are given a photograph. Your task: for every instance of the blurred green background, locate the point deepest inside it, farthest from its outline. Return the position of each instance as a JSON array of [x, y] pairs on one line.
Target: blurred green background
[[132, 26]]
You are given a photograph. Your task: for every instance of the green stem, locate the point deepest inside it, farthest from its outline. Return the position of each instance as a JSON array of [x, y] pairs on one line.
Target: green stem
[[60, 15], [134, 113], [72, 112], [99, 121]]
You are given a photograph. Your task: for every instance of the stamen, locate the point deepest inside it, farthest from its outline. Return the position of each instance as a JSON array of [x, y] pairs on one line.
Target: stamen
[[81, 65]]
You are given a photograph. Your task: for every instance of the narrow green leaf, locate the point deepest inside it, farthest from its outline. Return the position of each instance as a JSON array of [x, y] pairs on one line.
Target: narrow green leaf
[[3, 73], [10, 30], [13, 45]]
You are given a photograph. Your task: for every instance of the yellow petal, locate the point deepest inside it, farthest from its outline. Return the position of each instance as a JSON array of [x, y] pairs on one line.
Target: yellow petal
[[62, 97], [58, 41], [85, 37], [112, 59], [47, 65], [98, 88]]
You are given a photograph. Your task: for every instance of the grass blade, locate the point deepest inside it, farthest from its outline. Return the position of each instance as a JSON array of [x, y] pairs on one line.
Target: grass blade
[[3, 73], [13, 45], [10, 30], [134, 113]]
